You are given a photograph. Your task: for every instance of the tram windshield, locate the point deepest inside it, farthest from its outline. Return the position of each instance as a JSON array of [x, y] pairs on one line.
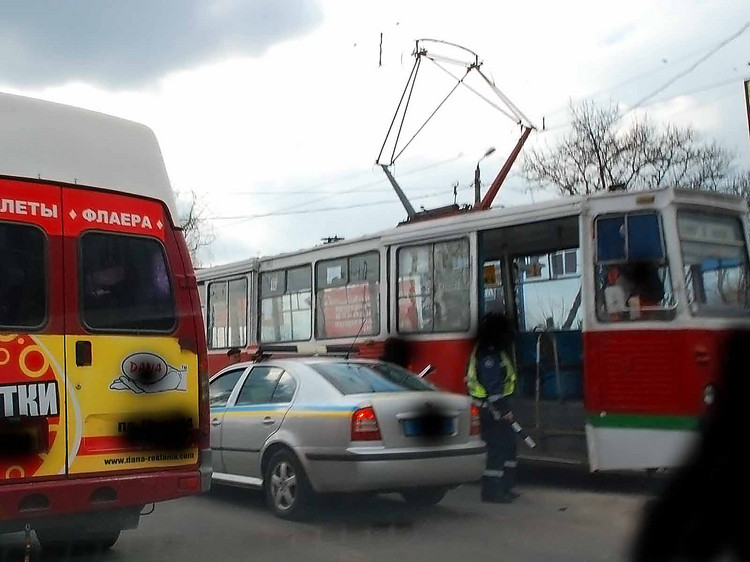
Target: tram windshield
[[715, 262]]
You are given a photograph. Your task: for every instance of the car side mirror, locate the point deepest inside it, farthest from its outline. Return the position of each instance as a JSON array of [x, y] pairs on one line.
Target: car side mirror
[[426, 372]]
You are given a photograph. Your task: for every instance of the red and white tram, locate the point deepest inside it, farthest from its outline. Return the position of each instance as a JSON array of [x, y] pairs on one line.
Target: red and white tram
[[622, 302]]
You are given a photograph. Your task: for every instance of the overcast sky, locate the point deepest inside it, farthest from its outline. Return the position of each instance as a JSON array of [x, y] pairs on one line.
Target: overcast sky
[[251, 99]]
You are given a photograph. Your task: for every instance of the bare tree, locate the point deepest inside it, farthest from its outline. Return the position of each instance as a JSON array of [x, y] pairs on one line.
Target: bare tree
[[192, 219], [602, 151], [740, 185]]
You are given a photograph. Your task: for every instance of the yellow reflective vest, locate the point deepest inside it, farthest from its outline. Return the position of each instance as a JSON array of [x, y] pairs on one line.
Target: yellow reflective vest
[[476, 389]]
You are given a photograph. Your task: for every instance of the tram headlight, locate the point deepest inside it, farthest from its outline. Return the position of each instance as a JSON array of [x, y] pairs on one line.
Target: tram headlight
[[709, 394]]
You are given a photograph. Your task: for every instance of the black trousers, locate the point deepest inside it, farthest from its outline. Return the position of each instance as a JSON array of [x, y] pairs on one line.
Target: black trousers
[[500, 474]]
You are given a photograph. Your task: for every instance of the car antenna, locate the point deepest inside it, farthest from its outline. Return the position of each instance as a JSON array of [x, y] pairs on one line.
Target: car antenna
[[351, 348]]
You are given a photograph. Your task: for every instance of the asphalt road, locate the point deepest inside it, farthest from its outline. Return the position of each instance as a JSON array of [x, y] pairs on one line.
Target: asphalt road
[[559, 518]]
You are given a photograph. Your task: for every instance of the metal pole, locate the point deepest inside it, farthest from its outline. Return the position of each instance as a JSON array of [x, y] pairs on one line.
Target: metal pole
[[410, 212], [497, 184], [477, 187]]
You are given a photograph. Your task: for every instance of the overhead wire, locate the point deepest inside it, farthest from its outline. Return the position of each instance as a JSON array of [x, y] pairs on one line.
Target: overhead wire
[[693, 66], [713, 100], [445, 99], [411, 80], [336, 208], [630, 80], [459, 81], [643, 103], [513, 112], [700, 89], [473, 90], [264, 193], [357, 188], [406, 107]]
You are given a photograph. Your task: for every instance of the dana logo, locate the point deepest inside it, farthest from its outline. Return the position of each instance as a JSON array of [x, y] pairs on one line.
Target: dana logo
[[145, 366], [148, 373]]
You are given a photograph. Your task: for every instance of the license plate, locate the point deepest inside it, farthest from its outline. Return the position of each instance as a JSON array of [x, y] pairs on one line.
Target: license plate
[[429, 426], [23, 437]]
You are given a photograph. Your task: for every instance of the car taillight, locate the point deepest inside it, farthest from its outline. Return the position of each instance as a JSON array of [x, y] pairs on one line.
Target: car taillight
[[476, 423], [365, 425]]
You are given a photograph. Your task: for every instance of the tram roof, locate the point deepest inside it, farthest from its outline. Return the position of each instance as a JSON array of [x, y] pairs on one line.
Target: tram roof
[[476, 220], [56, 142]]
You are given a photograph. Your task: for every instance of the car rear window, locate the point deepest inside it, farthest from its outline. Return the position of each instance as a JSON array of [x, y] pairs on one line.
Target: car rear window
[[360, 378]]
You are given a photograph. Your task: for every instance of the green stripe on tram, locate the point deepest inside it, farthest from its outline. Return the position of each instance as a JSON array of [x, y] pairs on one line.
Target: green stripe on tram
[[629, 421]]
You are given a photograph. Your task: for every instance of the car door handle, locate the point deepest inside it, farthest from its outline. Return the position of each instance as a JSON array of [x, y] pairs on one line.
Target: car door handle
[[215, 421], [268, 420], [83, 353]]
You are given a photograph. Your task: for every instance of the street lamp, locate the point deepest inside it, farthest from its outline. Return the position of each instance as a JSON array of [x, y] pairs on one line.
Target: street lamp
[[477, 182]]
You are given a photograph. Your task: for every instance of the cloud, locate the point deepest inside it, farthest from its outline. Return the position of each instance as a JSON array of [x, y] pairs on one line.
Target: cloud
[[127, 44], [618, 35]]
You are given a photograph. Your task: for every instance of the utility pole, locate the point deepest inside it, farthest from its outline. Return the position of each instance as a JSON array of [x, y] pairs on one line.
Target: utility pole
[[477, 187]]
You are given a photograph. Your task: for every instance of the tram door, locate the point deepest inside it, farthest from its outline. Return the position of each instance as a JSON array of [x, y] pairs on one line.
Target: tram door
[[532, 272]]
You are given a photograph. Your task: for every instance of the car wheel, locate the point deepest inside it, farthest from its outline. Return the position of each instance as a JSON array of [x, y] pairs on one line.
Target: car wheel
[[286, 487], [62, 539], [424, 497]]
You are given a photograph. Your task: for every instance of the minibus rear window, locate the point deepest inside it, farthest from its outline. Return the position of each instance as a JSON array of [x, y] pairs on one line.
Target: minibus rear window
[[125, 284], [23, 279]]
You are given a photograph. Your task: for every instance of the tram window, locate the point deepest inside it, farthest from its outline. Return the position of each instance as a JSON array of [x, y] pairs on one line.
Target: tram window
[[548, 291], [348, 296], [632, 273], [227, 314], [433, 287], [451, 283], [331, 273], [716, 270], [286, 305], [564, 263], [629, 237], [217, 315], [610, 236], [644, 237], [125, 284], [494, 299], [23, 276]]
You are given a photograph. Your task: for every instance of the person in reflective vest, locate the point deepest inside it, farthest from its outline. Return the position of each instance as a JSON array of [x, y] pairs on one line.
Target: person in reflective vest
[[491, 381]]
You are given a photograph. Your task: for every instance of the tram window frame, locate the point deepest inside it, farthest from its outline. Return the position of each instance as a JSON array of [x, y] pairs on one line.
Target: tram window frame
[[83, 310], [203, 298], [322, 283], [209, 314], [431, 294], [267, 292], [45, 274], [662, 313]]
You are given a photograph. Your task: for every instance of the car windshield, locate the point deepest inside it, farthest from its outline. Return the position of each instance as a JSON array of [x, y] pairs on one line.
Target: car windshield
[[361, 378]]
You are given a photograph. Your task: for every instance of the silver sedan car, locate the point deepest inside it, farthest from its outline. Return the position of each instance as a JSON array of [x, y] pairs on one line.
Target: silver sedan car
[[302, 426]]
